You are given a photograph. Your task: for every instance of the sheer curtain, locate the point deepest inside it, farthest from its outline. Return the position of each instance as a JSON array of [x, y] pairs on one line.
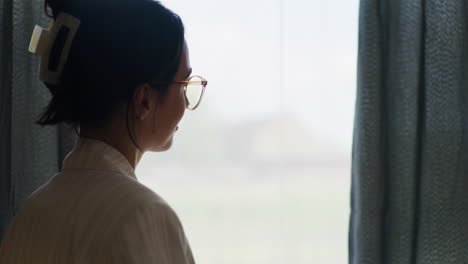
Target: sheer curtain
[[29, 155], [409, 182]]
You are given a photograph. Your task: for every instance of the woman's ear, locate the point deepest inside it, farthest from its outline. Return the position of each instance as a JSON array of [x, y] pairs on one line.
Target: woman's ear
[[144, 101]]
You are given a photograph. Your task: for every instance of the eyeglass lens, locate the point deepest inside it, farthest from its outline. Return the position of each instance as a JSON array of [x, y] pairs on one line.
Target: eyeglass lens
[[194, 91]]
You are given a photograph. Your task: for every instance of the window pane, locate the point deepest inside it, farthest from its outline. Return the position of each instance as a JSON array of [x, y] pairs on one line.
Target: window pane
[[260, 172]]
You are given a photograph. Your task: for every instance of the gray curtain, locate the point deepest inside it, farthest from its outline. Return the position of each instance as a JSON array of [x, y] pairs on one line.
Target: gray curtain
[[29, 155], [410, 152]]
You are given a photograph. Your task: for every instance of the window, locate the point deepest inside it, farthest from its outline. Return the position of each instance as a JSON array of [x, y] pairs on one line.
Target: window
[[260, 172]]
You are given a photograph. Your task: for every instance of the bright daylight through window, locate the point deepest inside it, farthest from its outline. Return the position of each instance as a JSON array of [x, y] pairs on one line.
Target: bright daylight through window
[[260, 172]]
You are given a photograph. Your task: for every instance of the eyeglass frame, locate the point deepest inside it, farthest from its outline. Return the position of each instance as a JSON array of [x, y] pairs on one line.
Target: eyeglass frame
[[203, 82]]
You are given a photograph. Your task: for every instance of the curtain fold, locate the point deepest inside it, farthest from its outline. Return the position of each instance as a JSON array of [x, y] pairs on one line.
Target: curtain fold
[[5, 113], [30, 155], [409, 198]]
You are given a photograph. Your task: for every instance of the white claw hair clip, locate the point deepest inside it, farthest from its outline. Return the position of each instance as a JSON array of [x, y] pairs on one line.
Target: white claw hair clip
[[60, 32]]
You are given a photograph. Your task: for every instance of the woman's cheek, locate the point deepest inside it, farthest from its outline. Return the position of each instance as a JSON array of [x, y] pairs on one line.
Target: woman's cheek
[[183, 103], [179, 105], [181, 111]]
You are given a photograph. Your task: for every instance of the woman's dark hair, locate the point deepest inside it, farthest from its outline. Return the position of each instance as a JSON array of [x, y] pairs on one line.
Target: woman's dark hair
[[119, 45]]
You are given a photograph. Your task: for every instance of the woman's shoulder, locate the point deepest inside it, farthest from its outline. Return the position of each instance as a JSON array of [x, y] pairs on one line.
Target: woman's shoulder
[[146, 201], [130, 194], [103, 187], [150, 233]]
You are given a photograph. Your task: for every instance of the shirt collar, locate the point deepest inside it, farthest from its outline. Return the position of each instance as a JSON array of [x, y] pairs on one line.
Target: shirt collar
[[89, 153]]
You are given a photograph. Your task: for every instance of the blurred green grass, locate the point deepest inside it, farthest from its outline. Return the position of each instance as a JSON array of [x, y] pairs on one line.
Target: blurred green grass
[[237, 214]]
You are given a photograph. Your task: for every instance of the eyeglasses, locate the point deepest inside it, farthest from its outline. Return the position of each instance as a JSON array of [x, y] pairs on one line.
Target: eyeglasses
[[194, 89]]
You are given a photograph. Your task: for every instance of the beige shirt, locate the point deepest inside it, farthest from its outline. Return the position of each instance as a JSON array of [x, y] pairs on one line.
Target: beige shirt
[[95, 211]]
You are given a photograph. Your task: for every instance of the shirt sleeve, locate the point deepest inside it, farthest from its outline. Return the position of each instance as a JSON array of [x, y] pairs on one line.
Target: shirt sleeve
[[152, 234]]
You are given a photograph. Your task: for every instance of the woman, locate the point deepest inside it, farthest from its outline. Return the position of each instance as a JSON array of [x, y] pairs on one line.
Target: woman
[[119, 72]]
